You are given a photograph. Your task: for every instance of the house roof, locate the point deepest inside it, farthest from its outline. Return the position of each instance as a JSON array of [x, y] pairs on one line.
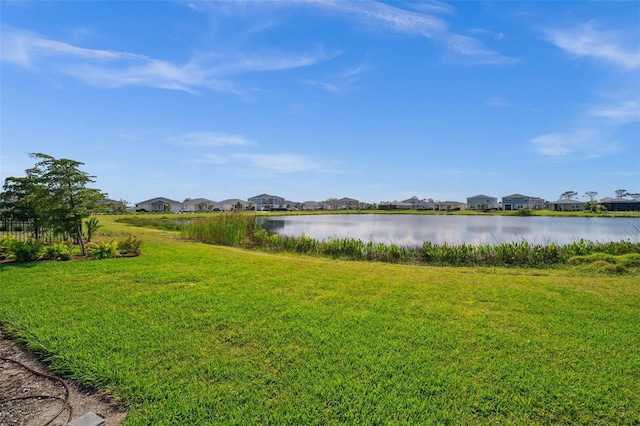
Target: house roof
[[163, 199], [483, 196], [199, 200], [265, 196], [108, 201], [565, 201], [233, 201], [618, 200]]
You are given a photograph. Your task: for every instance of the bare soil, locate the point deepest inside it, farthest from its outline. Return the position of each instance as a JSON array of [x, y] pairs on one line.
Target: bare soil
[[29, 399]]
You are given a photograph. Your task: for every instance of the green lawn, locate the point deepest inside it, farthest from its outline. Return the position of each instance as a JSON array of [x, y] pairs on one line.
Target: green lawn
[[194, 334]]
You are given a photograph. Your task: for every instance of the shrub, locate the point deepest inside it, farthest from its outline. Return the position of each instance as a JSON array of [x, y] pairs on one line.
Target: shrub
[[58, 251], [26, 251], [592, 258], [6, 247], [630, 260], [105, 250], [604, 267], [130, 245]]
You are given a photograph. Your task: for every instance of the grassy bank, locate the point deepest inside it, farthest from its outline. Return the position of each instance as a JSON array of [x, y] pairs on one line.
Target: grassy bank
[[191, 333], [241, 230]]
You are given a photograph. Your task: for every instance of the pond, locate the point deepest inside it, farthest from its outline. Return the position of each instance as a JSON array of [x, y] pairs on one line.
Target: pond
[[413, 230]]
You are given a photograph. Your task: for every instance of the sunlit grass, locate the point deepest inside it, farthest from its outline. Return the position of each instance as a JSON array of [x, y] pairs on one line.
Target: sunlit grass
[[190, 333]]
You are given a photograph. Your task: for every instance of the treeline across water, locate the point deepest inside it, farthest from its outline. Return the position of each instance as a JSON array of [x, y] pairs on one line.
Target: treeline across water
[[242, 230]]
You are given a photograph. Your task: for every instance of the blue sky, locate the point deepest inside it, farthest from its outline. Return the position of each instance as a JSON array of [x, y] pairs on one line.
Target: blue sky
[[315, 99]]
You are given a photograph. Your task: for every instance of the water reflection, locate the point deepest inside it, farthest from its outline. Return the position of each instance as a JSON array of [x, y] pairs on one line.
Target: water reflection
[[413, 230]]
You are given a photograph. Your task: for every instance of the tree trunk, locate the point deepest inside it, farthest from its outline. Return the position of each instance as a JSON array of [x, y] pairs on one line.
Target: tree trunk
[[83, 249]]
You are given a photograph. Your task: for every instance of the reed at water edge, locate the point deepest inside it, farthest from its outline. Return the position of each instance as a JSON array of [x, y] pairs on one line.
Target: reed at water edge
[[241, 230]]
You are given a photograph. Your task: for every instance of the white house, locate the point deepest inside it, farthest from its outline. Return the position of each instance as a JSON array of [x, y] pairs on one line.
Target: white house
[[519, 201], [267, 202], [450, 205], [160, 204], [482, 202], [418, 204], [348, 204], [310, 205], [230, 204], [198, 205]]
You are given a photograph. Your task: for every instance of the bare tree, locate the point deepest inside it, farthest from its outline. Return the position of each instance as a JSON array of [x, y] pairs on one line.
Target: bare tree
[[567, 195], [620, 193], [591, 195]]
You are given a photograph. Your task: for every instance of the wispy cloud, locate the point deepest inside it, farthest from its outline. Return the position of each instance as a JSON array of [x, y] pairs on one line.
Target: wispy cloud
[[23, 48], [210, 139], [277, 163], [418, 19], [589, 139], [611, 46], [498, 102], [625, 112], [329, 87], [282, 163], [106, 68], [420, 22], [336, 83], [578, 144]]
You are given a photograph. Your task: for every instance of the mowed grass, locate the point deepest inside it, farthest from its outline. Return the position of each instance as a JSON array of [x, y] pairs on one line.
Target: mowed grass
[[196, 334]]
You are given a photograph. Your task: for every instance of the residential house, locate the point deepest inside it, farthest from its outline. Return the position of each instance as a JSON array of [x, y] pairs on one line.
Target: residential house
[[482, 202], [519, 201], [292, 205], [112, 206], [267, 202], [417, 204], [159, 204], [620, 204], [401, 205], [310, 205], [198, 205], [450, 205], [412, 203], [348, 204], [566, 205], [230, 204]]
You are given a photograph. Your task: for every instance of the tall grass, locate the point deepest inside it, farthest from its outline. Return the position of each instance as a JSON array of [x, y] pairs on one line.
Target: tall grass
[[242, 230], [228, 229]]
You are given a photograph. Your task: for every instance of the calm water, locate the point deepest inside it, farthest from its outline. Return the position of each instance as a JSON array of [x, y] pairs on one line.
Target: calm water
[[413, 230]]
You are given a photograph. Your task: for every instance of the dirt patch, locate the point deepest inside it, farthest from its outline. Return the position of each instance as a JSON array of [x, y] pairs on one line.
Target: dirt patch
[[38, 398]]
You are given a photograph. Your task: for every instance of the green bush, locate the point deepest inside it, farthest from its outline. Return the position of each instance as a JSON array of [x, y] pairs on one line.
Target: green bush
[[631, 260], [26, 251], [130, 245], [105, 250], [604, 267], [6, 247], [593, 258], [58, 251]]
